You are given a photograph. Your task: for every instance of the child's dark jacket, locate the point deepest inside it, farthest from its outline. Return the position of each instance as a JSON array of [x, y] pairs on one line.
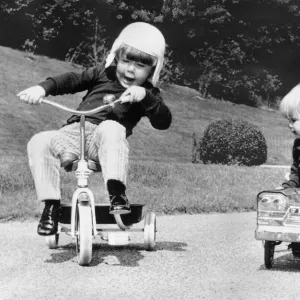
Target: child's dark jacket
[[295, 168], [99, 82]]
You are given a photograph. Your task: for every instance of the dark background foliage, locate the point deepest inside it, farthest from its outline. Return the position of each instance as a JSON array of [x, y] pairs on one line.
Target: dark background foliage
[[243, 51]]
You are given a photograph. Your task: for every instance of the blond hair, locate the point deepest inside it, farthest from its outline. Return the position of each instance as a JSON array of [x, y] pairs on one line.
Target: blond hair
[[133, 54], [290, 104]]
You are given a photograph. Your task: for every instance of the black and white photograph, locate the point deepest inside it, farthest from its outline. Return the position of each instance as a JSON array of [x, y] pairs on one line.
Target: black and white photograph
[[149, 149]]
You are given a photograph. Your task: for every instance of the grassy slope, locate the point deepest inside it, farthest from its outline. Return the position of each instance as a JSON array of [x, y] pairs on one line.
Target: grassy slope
[[18, 122], [171, 185]]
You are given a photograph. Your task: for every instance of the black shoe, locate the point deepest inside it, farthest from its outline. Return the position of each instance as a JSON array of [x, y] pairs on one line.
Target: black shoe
[[48, 224], [119, 204]]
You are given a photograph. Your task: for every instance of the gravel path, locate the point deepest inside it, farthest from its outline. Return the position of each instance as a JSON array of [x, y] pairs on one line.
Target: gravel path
[[198, 257]]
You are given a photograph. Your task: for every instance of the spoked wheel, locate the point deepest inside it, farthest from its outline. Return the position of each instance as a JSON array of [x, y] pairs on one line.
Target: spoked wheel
[[150, 231], [269, 253], [52, 241], [84, 238]]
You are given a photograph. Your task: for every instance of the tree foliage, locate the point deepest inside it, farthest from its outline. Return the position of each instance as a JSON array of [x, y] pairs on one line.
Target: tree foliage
[[238, 50]]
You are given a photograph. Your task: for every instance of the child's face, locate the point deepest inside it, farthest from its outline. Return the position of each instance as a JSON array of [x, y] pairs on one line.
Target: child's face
[[294, 125], [131, 72]]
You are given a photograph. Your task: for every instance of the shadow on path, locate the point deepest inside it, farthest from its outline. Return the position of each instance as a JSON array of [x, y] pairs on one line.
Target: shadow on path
[[284, 263], [127, 256]]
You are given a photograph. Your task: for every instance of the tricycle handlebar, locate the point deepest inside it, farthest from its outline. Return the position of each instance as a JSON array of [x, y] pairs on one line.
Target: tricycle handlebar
[[80, 112]]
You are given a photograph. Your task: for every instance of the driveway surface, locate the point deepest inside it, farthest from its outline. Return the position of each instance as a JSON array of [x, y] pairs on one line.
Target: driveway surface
[[202, 256]]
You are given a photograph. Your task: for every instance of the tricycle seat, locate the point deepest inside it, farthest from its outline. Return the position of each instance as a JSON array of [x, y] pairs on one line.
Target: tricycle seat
[[92, 165], [69, 161]]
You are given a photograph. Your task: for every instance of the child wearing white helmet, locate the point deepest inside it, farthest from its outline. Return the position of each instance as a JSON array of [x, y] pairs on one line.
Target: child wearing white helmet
[[131, 73]]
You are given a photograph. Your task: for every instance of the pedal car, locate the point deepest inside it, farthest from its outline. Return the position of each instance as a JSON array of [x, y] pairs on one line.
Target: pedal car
[[278, 220]]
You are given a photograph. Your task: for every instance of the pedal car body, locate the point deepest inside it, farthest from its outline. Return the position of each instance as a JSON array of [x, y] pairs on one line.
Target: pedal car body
[[278, 220], [278, 215]]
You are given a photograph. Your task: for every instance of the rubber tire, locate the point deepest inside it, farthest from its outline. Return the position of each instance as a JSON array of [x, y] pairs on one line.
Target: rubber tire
[[269, 253], [52, 241], [84, 237], [150, 231], [296, 249]]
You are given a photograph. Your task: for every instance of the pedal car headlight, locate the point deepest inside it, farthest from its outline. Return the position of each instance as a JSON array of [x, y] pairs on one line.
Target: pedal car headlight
[[271, 202]]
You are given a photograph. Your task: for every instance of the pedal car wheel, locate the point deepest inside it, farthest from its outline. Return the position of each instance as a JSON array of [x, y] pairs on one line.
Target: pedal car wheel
[[296, 249], [84, 237], [150, 231], [269, 253], [52, 241]]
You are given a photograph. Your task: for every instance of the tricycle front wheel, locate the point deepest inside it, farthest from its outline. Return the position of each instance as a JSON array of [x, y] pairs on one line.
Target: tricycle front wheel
[[84, 237]]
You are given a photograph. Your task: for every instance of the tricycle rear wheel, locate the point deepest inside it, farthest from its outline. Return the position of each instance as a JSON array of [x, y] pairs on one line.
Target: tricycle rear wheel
[[150, 231], [52, 241]]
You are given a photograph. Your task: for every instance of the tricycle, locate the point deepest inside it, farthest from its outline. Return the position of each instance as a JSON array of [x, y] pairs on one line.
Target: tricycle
[[85, 217]]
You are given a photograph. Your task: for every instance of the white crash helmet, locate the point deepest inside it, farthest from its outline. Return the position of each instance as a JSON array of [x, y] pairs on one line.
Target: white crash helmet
[[144, 37]]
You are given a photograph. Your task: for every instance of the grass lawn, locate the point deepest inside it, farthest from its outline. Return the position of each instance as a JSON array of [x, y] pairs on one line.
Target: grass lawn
[[166, 188], [161, 172]]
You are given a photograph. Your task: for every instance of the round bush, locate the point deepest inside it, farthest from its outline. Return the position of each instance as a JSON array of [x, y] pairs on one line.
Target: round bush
[[233, 141]]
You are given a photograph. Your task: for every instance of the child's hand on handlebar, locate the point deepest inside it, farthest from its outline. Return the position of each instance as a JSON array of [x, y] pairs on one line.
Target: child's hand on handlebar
[[133, 94], [32, 95]]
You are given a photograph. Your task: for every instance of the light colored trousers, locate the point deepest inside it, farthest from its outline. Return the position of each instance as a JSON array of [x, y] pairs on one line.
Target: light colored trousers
[[105, 142]]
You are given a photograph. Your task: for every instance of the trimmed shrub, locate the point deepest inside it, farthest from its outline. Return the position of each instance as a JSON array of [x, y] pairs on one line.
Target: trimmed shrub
[[233, 142]]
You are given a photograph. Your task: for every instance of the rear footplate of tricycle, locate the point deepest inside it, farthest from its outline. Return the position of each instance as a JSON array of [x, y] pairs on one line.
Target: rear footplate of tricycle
[[83, 229], [103, 216]]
